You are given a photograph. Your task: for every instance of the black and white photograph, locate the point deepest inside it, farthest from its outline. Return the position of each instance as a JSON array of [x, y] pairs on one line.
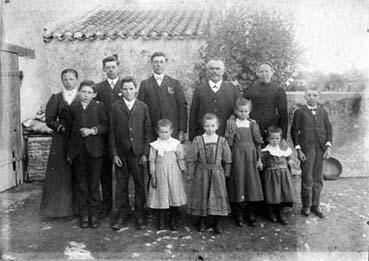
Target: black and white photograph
[[184, 130]]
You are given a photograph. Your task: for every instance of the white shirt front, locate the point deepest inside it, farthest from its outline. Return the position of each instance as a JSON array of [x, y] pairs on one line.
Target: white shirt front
[[210, 138], [215, 86], [112, 82], [129, 103], [242, 123], [159, 78], [312, 109], [69, 95]]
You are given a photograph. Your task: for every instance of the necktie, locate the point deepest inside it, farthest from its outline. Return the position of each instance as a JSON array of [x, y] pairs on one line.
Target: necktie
[[112, 84]]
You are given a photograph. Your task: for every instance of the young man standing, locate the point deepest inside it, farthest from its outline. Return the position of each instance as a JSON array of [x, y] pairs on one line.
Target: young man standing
[[108, 92], [165, 97]]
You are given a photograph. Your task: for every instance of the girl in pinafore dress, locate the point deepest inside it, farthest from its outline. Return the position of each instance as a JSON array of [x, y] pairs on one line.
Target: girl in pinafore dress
[[167, 164], [244, 185], [276, 176], [208, 196]]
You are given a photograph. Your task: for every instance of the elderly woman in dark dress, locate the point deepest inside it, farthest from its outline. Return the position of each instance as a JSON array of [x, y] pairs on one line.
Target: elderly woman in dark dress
[[57, 195], [269, 102]]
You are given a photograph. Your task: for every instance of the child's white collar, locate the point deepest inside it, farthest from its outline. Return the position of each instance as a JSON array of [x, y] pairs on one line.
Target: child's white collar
[[242, 123], [210, 138], [163, 146], [276, 151]]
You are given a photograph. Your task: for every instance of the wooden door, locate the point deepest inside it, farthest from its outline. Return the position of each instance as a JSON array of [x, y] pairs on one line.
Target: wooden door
[[11, 169]]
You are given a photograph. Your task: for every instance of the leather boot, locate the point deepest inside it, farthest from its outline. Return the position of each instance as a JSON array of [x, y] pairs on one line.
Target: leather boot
[[216, 227], [173, 218], [271, 214], [281, 216], [251, 217], [160, 218], [201, 224]]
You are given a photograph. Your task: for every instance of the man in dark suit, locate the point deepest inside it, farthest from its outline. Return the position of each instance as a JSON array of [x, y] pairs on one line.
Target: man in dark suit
[[215, 96], [86, 124], [165, 97], [108, 92], [130, 137], [311, 134]]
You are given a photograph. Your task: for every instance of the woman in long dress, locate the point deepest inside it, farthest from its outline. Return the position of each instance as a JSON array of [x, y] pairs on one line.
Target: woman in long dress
[[57, 196]]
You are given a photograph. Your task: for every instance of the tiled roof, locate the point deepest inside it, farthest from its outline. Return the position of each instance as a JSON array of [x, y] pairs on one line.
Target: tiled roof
[[147, 24]]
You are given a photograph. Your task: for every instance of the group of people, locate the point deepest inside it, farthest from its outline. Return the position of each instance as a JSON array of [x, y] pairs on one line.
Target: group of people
[[238, 157]]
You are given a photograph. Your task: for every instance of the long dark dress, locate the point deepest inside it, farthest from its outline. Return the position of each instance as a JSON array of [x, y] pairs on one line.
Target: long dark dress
[[208, 191], [244, 183], [57, 194], [277, 180], [269, 106]]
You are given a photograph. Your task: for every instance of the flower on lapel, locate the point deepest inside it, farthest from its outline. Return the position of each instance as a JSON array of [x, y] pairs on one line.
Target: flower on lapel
[[120, 94], [170, 90]]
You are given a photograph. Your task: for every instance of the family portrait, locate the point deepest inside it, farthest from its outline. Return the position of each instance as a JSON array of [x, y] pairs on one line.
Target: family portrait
[[184, 130]]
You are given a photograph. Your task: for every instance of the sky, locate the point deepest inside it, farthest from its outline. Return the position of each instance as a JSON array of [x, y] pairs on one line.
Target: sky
[[332, 33]]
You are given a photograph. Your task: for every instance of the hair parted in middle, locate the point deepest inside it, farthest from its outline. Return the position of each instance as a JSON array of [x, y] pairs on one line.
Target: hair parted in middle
[[274, 129], [243, 102], [210, 116], [164, 123]]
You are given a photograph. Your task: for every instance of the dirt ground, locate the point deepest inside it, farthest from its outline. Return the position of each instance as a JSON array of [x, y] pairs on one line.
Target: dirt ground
[[342, 235]]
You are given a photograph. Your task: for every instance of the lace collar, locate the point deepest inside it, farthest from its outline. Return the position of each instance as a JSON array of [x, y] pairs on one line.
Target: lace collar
[[163, 146], [276, 151]]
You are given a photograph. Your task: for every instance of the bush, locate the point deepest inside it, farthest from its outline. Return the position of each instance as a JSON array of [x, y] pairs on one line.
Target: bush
[[243, 38]]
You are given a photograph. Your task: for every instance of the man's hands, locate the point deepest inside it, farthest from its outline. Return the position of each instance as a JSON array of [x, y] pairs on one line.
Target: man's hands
[[327, 153], [87, 132], [301, 156], [117, 161]]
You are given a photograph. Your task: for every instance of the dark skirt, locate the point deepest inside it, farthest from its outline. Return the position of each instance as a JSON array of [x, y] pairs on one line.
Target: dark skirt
[[278, 186], [57, 194]]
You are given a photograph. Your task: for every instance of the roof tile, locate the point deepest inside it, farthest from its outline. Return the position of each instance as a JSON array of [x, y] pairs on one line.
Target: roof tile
[[145, 24]]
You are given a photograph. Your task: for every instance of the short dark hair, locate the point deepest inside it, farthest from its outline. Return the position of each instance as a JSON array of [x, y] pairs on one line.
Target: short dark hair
[[87, 83], [128, 79], [111, 58], [157, 54], [242, 102], [69, 70], [274, 129], [164, 123], [209, 116]]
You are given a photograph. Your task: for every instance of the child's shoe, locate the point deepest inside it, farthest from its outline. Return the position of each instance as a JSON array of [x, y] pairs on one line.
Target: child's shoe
[[173, 224], [83, 222], [216, 227], [160, 219], [251, 217], [95, 221], [271, 214], [315, 210], [201, 224], [281, 216]]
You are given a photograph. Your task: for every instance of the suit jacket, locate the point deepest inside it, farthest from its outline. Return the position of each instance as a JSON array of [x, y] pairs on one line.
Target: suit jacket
[[107, 95], [130, 129], [93, 116], [165, 101], [204, 101], [307, 129]]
